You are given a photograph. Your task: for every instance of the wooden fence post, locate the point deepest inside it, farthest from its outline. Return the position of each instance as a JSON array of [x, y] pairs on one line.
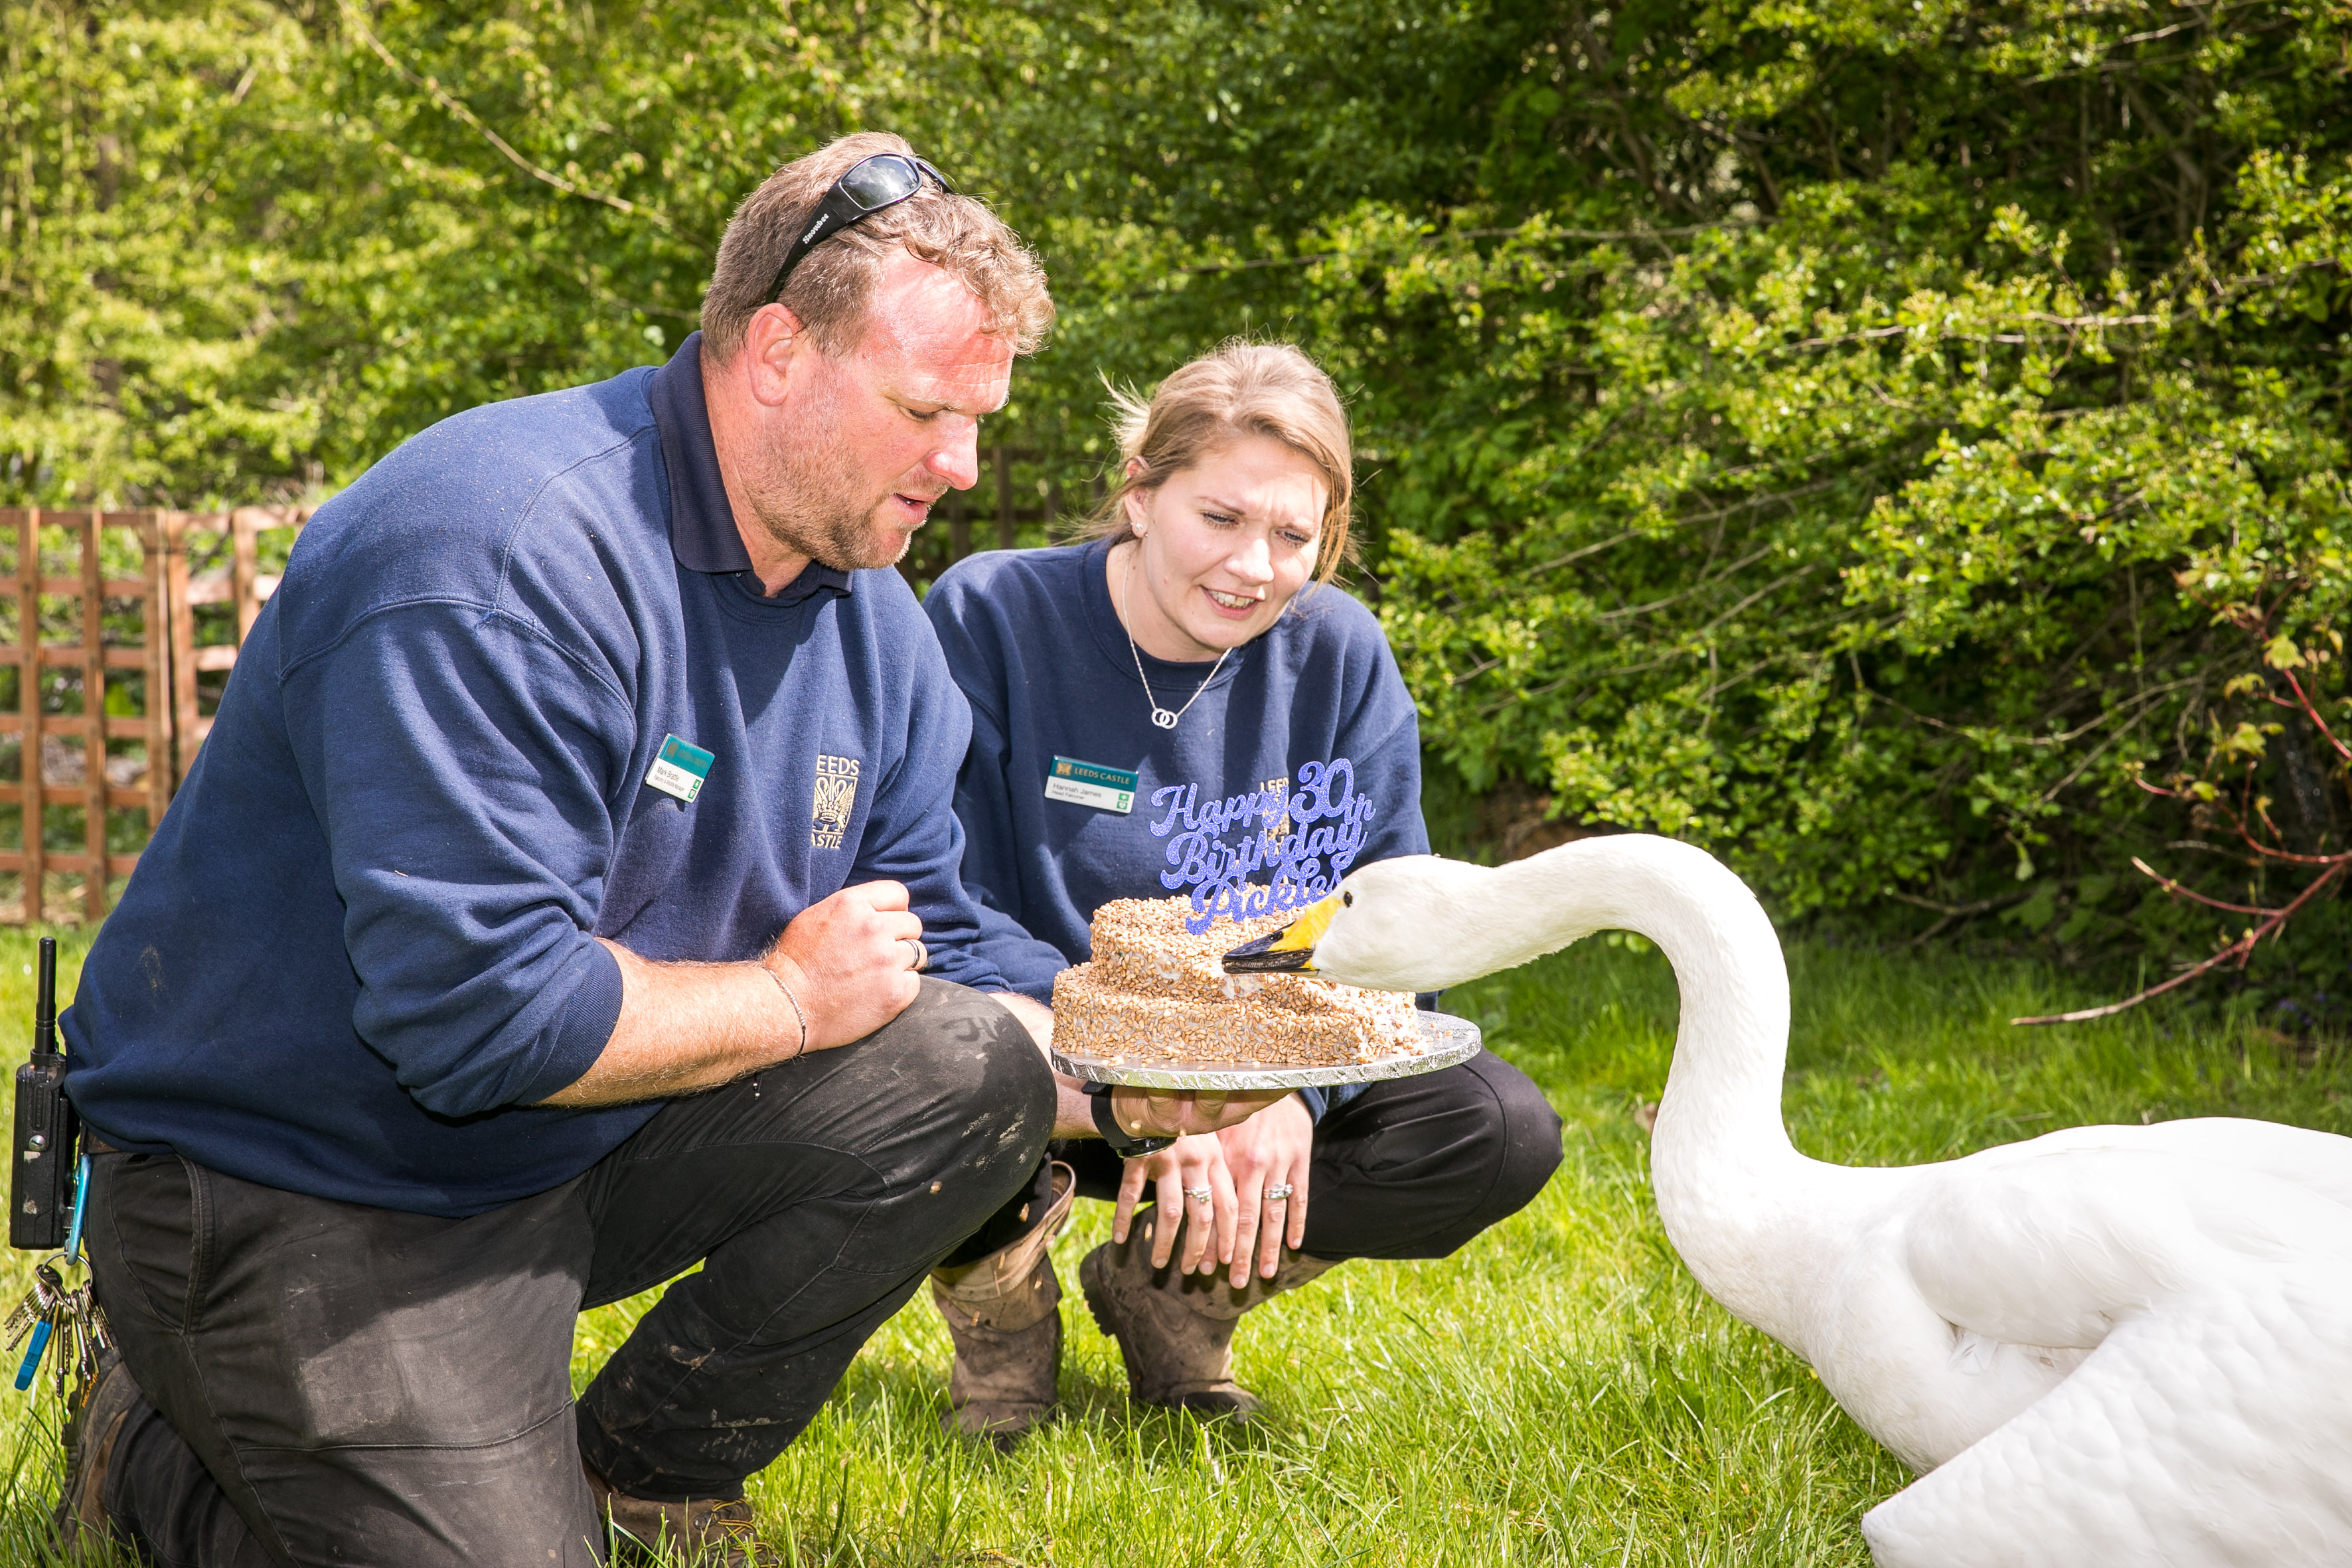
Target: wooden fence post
[[28, 701], [244, 524], [93, 719], [179, 621], [156, 534]]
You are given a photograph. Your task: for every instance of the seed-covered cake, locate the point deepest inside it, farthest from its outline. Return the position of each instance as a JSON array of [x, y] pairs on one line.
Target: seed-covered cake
[[1156, 991]]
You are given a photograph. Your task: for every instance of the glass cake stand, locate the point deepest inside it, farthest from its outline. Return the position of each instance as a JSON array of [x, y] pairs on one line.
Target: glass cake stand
[[1446, 1040]]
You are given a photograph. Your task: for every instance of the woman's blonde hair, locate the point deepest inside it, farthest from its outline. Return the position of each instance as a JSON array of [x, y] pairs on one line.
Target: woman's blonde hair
[[1242, 389]]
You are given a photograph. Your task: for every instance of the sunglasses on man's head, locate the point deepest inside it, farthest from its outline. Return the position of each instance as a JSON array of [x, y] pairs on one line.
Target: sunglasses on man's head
[[864, 188]]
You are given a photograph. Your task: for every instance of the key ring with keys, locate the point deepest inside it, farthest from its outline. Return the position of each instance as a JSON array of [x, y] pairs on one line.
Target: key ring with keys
[[52, 1311]]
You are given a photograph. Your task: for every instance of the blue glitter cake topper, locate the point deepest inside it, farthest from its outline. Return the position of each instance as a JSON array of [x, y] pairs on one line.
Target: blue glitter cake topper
[[1307, 837]]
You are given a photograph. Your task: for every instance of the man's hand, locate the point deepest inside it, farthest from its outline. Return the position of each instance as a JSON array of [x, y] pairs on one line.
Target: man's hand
[[685, 1026], [847, 962]]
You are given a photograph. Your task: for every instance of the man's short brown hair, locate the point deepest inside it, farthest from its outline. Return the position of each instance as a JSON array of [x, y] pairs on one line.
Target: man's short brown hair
[[831, 287]]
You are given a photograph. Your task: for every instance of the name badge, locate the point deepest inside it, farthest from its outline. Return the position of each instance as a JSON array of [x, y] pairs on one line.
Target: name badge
[[679, 768], [1091, 783]]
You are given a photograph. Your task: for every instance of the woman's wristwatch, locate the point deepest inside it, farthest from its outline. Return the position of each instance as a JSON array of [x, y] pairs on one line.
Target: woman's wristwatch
[[1123, 1143]]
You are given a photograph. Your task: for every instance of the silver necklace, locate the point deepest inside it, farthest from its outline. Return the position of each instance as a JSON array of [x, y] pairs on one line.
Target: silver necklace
[[1159, 716]]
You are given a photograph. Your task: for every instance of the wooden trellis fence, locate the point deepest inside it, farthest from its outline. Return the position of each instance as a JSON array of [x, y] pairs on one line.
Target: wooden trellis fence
[[80, 609], [85, 600]]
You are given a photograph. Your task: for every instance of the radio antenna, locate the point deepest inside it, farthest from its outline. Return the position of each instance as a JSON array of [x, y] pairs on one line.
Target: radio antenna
[[45, 1002]]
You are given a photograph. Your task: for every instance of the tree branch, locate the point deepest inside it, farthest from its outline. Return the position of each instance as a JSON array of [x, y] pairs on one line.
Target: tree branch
[[2241, 949], [465, 116]]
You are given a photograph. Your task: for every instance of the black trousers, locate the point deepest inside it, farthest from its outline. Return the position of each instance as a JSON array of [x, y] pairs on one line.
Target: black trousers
[[332, 1383], [1413, 1167]]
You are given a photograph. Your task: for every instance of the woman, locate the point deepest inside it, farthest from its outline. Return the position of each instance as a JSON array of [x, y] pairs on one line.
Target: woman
[[1197, 643]]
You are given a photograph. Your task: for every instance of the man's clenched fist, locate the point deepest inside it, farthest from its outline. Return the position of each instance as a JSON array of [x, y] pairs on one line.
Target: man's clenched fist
[[850, 962]]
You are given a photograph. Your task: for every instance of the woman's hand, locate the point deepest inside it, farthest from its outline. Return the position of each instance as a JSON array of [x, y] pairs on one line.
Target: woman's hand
[[1271, 1150], [1187, 1166]]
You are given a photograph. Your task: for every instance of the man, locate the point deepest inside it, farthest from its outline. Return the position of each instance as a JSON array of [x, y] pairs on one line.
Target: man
[[451, 995]]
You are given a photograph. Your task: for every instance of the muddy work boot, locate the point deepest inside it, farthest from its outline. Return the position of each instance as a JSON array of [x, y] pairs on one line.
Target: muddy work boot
[[92, 1430], [1176, 1330], [704, 1533], [1003, 1313]]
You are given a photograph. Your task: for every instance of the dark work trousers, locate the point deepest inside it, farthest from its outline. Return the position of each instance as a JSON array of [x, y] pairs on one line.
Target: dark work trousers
[[1413, 1167], [332, 1383]]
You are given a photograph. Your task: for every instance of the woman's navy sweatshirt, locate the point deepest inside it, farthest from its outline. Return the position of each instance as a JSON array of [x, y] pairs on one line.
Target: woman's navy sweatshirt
[[1300, 758], [362, 945]]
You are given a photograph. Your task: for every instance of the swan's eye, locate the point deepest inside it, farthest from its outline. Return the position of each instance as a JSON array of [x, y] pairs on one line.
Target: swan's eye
[[1346, 901]]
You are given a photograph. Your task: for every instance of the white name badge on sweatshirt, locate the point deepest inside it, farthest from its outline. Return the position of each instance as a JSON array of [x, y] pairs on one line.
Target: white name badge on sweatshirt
[[1091, 783], [679, 768]]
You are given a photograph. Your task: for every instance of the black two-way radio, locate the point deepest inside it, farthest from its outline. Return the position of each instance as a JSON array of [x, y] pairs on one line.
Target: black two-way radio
[[40, 1195]]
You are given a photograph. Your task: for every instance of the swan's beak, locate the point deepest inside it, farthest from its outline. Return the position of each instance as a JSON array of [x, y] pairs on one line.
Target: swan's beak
[[1291, 948]]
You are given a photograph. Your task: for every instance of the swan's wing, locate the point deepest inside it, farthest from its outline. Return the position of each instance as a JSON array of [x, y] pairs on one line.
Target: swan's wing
[[2050, 1245], [1910, 1377], [2208, 1427], [2211, 1432], [2318, 1161]]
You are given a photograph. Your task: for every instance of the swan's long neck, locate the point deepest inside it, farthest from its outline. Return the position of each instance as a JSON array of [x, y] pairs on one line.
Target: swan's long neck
[[1736, 1196]]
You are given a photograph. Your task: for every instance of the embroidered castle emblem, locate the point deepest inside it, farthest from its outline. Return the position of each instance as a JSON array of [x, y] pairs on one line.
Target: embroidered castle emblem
[[1275, 813], [836, 797]]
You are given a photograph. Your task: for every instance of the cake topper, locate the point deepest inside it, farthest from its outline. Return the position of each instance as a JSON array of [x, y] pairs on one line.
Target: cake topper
[[1303, 840]]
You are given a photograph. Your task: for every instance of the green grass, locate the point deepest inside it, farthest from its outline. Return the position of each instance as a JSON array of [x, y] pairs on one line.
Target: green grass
[[1559, 1392]]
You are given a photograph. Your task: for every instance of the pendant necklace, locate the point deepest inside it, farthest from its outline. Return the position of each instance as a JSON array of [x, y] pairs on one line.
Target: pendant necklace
[[1159, 716]]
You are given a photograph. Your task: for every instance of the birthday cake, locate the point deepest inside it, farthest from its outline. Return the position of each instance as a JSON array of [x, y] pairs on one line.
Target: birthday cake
[[1155, 991]]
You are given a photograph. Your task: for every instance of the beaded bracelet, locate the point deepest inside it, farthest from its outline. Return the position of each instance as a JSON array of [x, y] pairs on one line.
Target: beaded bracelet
[[796, 1011]]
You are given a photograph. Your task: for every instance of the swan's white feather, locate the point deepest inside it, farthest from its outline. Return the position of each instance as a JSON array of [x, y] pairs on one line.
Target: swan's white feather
[[2121, 1346], [2206, 1428]]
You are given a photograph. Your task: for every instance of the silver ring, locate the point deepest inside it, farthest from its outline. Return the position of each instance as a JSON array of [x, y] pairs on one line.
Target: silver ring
[[1277, 1193], [922, 954], [1200, 1194]]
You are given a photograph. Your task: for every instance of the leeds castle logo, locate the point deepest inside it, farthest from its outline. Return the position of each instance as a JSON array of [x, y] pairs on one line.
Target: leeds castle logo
[[836, 795]]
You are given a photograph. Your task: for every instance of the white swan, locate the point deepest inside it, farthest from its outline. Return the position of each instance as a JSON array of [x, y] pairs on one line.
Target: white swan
[[2109, 1345]]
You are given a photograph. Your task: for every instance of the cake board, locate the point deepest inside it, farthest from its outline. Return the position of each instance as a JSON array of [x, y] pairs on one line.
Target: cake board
[[1447, 1041]]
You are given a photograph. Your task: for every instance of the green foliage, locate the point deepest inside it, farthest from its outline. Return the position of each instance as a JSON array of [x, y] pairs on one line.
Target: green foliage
[[154, 254], [1866, 439]]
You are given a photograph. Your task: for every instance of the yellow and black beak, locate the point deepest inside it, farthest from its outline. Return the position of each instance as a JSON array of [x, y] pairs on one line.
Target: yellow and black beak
[[1289, 950]]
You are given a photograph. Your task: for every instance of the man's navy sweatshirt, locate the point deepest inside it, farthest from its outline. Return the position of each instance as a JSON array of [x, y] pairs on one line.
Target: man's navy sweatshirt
[[361, 947], [1299, 758]]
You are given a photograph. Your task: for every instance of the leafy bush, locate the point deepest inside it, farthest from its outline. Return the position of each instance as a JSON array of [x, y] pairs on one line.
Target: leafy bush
[[1868, 533]]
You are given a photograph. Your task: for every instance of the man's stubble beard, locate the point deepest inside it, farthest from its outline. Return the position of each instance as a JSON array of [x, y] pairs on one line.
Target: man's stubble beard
[[804, 497]]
